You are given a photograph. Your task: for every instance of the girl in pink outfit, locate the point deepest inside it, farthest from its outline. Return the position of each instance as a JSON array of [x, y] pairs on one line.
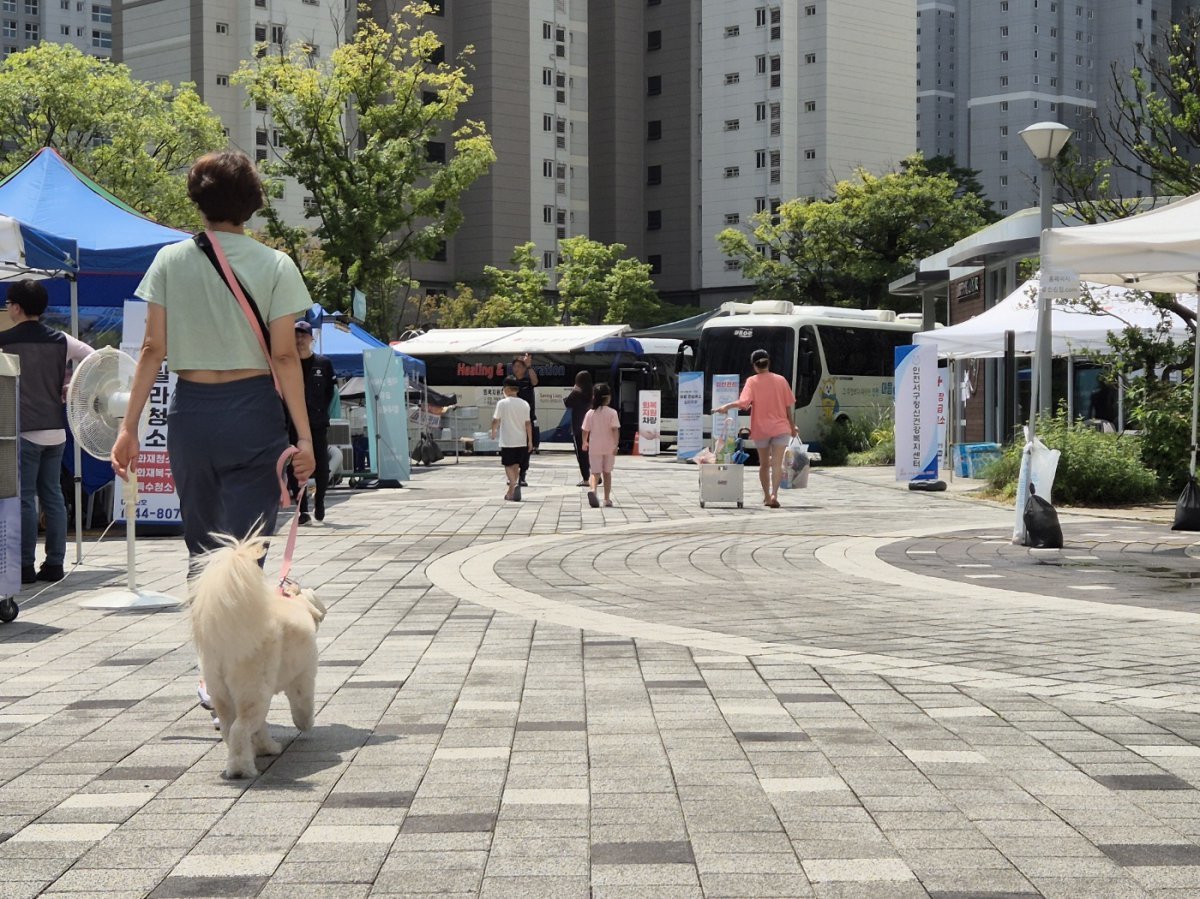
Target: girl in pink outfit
[[770, 400], [601, 432]]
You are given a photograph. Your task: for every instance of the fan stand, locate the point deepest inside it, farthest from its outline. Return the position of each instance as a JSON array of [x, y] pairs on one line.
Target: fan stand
[[131, 599]]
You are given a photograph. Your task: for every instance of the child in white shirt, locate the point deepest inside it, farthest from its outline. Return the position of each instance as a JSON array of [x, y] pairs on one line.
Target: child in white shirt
[[512, 421]]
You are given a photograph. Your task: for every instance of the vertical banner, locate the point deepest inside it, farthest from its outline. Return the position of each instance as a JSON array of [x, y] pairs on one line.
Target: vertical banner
[[916, 413], [649, 422], [726, 389], [157, 501], [387, 414], [943, 411], [690, 436]]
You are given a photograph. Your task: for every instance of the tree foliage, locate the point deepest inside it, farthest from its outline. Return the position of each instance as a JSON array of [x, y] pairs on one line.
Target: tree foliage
[[359, 133], [134, 138], [516, 296], [845, 250], [598, 284]]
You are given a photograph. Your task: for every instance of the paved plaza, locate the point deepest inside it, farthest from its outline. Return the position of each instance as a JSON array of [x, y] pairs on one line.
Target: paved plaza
[[867, 693]]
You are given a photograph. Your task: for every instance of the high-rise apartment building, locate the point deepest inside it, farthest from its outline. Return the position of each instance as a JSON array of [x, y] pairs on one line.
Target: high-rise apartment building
[[205, 41], [989, 69], [85, 24]]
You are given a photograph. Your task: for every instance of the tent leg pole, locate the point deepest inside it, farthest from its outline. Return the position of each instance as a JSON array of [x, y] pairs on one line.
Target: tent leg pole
[[78, 455], [1195, 387], [1070, 391]]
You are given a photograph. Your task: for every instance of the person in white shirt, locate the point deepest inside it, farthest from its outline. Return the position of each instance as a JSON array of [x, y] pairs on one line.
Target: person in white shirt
[[512, 422]]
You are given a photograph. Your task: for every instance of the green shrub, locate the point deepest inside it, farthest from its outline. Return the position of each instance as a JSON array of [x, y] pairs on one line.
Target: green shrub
[[883, 452], [1095, 469], [835, 443]]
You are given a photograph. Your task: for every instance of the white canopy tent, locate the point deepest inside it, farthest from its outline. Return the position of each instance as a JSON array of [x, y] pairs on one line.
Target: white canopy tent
[[507, 341], [1076, 329], [1157, 251]]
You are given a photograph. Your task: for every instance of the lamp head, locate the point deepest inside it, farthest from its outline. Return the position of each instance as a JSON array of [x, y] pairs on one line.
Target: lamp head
[[1046, 140]]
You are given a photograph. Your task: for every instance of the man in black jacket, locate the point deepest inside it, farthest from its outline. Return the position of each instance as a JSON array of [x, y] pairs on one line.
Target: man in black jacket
[[319, 386], [46, 356]]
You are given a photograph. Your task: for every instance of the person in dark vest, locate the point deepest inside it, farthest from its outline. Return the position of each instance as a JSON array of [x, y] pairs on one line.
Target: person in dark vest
[[46, 360], [319, 386]]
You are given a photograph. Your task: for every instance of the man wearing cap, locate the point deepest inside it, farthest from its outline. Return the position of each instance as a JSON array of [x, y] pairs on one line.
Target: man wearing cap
[[319, 386]]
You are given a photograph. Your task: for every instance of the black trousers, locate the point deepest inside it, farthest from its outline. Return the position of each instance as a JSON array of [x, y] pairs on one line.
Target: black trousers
[[320, 442], [537, 441], [585, 465]]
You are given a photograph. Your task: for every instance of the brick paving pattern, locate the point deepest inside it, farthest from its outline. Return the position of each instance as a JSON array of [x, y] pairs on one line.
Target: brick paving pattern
[[867, 693]]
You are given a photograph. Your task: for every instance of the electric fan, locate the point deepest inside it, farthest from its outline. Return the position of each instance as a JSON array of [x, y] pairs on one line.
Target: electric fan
[[96, 402]]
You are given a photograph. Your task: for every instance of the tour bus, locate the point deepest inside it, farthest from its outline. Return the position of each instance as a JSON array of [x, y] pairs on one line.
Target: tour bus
[[626, 364], [840, 362]]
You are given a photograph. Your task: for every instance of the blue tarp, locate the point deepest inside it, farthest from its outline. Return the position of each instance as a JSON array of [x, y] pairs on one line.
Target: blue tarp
[[115, 244], [343, 344]]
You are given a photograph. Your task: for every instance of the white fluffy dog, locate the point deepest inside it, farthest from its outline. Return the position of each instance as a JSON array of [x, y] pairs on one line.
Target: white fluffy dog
[[253, 643]]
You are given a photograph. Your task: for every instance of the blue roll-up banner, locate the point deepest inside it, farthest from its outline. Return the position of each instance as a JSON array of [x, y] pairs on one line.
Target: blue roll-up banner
[[387, 414], [916, 413], [690, 434]]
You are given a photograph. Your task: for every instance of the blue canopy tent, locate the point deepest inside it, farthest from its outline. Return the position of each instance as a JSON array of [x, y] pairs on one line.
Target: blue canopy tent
[[114, 244]]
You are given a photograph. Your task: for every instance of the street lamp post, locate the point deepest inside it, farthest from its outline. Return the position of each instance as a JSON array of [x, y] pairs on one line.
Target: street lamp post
[[1045, 141]]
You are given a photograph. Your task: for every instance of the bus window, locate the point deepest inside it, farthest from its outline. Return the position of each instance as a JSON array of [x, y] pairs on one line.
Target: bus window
[[862, 351], [808, 367], [726, 351]]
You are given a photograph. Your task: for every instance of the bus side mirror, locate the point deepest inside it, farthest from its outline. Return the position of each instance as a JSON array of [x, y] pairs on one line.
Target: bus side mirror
[[806, 365]]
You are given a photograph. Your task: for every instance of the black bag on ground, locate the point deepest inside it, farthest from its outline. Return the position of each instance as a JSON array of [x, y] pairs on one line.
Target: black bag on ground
[[426, 452], [1187, 510], [1042, 529]]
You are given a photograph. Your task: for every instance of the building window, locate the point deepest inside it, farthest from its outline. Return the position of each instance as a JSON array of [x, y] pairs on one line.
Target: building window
[[102, 15], [10, 5], [654, 130], [547, 31], [732, 171], [732, 77], [654, 174], [64, 30], [1004, 30], [733, 218], [222, 28], [810, 105], [760, 112], [654, 85], [435, 151], [547, 260], [547, 123], [32, 31], [655, 263], [277, 34], [733, 265], [1004, 81], [760, 159], [548, 215], [10, 28], [653, 219], [760, 17], [548, 168], [102, 40], [653, 40], [810, 10], [31, 7], [810, 153], [733, 124], [732, 30], [760, 65], [810, 58]]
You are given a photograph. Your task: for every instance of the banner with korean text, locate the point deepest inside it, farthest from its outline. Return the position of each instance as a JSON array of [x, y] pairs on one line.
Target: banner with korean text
[[157, 500], [690, 436], [649, 422], [387, 414], [916, 413], [726, 389]]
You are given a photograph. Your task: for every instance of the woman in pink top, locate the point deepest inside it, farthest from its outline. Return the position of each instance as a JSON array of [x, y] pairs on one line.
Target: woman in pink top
[[770, 400]]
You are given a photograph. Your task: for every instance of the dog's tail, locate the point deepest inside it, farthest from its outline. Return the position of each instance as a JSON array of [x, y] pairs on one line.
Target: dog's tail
[[230, 601]]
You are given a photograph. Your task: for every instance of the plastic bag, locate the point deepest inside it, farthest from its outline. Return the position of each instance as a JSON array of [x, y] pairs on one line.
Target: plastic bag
[[704, 457], [1042, 529], [795, 461], [1187, 510]]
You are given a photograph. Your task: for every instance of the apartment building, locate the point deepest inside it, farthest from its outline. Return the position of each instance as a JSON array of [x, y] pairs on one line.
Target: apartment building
[[989, 69], [205, 41], [82, 23], [736, 108]]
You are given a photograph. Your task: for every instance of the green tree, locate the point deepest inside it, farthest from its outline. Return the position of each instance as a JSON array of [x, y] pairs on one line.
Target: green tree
[[967, 180], [516, 296], [597, 283], [134, 138], [364, 135], [846, 250]]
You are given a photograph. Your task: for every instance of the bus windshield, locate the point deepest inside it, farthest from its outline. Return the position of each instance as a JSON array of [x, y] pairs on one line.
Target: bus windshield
[[726, 351]]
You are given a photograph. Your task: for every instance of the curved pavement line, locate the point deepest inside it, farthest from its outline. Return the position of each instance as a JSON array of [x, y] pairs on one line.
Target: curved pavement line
[[469, 575]]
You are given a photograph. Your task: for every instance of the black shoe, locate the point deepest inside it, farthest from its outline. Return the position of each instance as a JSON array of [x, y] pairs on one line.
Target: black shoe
[[50, 573], [521, 483], [304, 519], [28, 574], [593, 500], [319, 513], [517, 494]]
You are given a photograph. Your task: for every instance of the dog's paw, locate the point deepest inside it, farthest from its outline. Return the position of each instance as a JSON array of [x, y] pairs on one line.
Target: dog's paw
[[267, 747], [238, 774]]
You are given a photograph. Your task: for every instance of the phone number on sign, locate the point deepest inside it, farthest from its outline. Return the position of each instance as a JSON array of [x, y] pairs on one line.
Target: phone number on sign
[[157, 514]]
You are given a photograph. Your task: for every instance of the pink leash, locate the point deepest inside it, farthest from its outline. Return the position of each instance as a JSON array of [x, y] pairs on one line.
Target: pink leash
[[285, 500]]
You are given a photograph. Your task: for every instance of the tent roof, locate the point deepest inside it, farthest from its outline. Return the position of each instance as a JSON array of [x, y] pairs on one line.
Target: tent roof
[[1157, 250], [684, 329], [343, 344], [1074, 328], [50, 194], [507, 341]]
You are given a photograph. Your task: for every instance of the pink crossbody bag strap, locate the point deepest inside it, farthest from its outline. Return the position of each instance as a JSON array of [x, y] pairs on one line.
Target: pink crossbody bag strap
[[236, 288]]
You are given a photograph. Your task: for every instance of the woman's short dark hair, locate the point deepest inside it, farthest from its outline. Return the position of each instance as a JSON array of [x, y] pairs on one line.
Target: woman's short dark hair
[[30, 295], [760, 359], [225, 186], [583, 382]]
